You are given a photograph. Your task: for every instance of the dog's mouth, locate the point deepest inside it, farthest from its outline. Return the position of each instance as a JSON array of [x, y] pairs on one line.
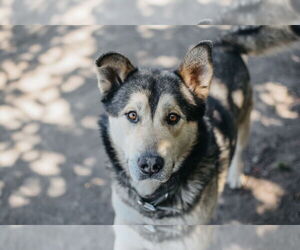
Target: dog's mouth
[[150, 177], [146, 184]]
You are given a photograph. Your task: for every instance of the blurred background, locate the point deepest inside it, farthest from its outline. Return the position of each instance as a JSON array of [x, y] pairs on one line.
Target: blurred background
[[77, 12], [52, 163]]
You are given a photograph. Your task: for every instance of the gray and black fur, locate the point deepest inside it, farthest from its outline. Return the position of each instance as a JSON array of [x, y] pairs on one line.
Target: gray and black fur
[[207, 159]]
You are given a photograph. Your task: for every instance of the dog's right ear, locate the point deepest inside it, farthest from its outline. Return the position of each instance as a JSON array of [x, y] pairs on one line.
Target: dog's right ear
[[112, 69], [196, 69]]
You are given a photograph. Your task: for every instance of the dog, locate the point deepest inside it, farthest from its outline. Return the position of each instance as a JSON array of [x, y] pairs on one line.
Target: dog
[[175, 136], [171, 135]]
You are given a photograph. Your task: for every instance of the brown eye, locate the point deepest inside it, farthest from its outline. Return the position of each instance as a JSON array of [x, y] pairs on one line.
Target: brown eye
[[132, 116], [173, 118]]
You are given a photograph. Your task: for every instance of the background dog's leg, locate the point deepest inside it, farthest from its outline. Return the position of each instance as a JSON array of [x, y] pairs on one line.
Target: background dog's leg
[[235, 174]]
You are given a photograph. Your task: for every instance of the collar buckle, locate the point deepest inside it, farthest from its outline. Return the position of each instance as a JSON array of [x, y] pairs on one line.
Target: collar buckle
[[147, 206]]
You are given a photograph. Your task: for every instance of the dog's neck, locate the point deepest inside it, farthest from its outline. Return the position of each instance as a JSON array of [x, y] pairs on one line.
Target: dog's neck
[[184, 188]]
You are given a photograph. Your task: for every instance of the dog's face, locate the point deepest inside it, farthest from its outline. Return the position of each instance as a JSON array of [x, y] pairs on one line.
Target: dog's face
[[153, 114]]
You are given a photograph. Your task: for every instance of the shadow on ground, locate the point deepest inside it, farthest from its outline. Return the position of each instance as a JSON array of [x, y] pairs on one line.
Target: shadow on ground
[[52, 164]]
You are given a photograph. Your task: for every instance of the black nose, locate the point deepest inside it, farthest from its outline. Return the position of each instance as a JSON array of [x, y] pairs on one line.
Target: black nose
[[150, 164]]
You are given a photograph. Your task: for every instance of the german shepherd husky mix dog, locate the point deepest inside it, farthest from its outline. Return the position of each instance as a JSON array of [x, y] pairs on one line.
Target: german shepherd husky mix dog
[[171, 135]]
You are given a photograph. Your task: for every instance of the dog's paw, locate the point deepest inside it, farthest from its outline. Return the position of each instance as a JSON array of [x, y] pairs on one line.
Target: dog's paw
[[235, 181]]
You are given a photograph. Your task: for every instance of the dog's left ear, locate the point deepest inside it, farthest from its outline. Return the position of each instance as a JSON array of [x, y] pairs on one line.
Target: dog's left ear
[[112, 69], [196, 69]]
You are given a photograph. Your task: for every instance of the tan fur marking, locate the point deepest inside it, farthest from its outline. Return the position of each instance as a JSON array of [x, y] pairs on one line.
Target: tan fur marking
[[235, 175], [187, 94], [238, 98]]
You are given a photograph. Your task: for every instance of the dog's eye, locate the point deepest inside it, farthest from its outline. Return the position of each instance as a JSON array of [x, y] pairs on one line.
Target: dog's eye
[[173, 118], [132, 116]]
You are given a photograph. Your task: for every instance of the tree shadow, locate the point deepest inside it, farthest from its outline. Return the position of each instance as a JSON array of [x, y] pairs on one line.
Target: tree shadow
[[51, 158]]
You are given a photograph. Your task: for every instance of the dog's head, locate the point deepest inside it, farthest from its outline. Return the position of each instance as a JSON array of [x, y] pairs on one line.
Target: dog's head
[[153, 114]]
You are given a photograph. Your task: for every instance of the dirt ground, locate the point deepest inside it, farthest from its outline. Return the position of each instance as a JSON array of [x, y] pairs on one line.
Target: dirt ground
[[52, 163]]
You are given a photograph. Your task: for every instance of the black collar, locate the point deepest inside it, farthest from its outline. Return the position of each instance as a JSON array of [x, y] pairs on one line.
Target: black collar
[[160, 202]]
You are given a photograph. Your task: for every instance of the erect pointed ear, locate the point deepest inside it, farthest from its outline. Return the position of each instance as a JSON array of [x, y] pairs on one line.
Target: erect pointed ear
[[112, 69], [196, 69]]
